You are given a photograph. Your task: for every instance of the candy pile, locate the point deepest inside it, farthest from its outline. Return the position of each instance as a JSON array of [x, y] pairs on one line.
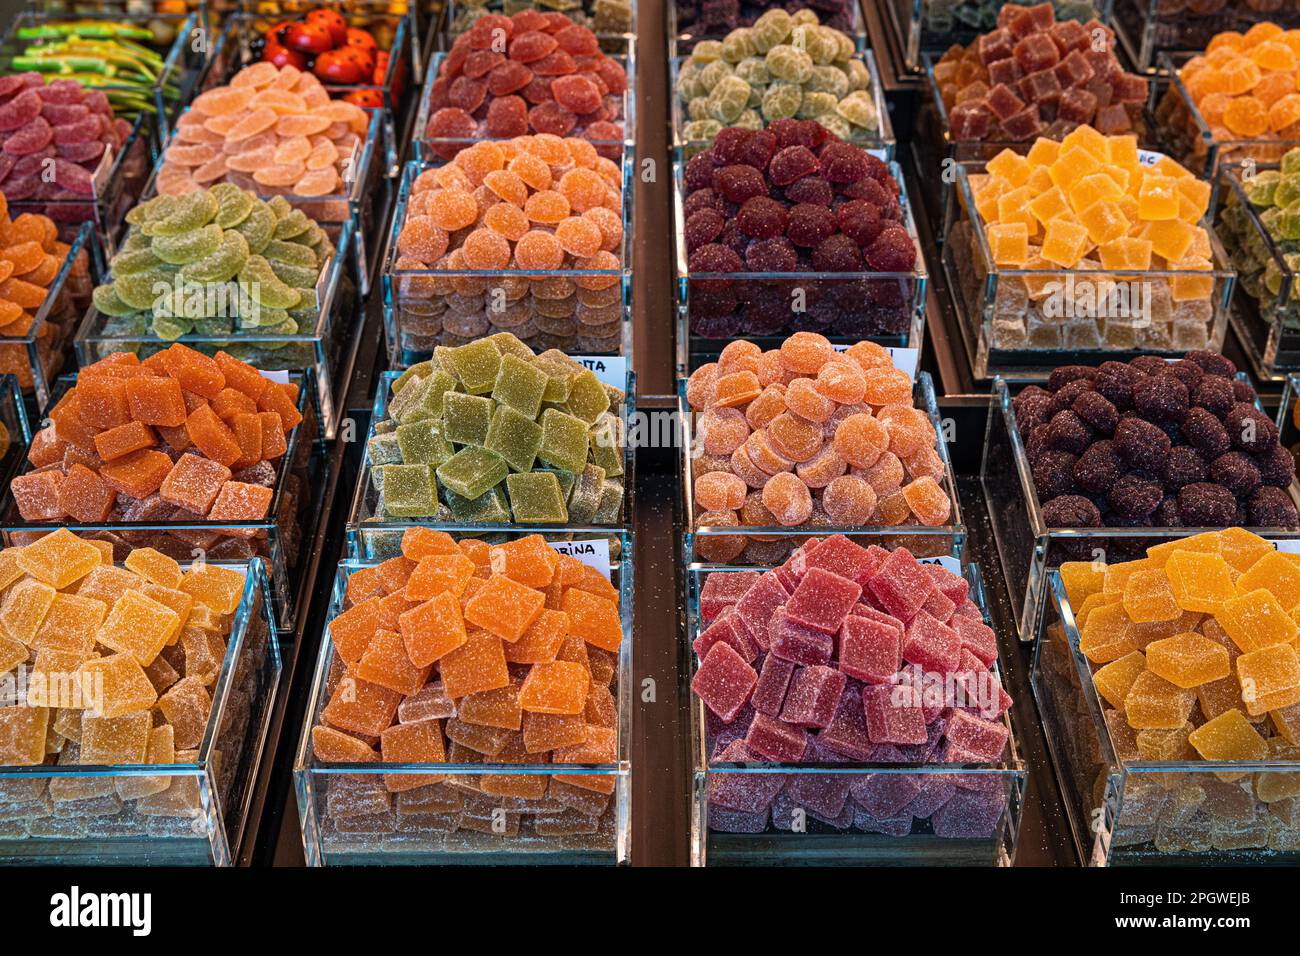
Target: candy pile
[[551, 78], [1193, 653], [121, 660], [715, 18], [1245, 85], [273, 130], [228, 262], [463, 652], [30, 258], [1273, 195], [178, 437], [323, 43], [599, 16], [1088, 203], [782, 67], [1150, 443], [793, 198], [490, 433], [54, 137], [807, 436], [534, 203], [1033, 76], [849, 653]]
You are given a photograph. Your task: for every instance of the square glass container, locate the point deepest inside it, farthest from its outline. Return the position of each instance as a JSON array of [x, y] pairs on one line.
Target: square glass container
[[327, 348], [1138, 812], [280, 539], [880, 140], [766, 307], [119, 180], [929, 25], [370, 538], [689, 22], [826, 824], [1148, 28], [772, 545], [1022, 323], [427, 148], [160, 89], [72, 814], [393, 93], [1265, 312], [425, 308], [38, 355], [349, 818], [1029, 549], [361, 199]]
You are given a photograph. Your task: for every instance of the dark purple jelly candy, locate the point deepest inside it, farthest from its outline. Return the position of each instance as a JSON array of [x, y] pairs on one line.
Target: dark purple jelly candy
[[1063, 375], [1184, 466], [1236, 472], [737, 183], [704, 198], [1276, 467], [758, 150], [808, 225], [892, 250], [842, 163], [1071, 511], [761, 217], [1096, 411], [1206, 433], [1097, 468], [699, 171], [777, 254], [1141, 444], [1054, 474], [1213, 363], [1249, 429], [1214, 394], [702, 228], [810, 189], [729, 144], [714, 257], [1068, 432], [1135, 496], [860, 221], [1204, 504], [837, 253], [1160, 399], [1272, 508], [791, 163]]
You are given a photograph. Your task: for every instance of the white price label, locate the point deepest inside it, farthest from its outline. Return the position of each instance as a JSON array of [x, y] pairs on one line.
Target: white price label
[[946, 561], [905, 360], [593, 552], [610, 369], [1149, 157]]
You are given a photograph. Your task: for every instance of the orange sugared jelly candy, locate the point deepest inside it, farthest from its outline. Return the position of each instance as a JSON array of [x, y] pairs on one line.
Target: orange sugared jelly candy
[[530, 561], [386, 663], [594, 619], [419, 742], [194, 371], [353, 630], [59, 559], [1270, 678], [420, 543], [156, 401], [118, 683], [1188, 660], [1276, 573], [433, 629], [1153, 703], [504, 607], [212, 436], [220, 589], [138, 625], [1106, 637], [1228, 737], [1199, 581], [1256, 620], [541, 642], [361, 707], [477, 665], [154, 566], [438, 573], [1115, 680], [556, 688], [333, 746], [138, 474]]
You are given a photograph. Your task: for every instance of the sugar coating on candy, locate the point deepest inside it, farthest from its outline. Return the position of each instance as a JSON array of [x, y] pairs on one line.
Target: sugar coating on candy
[[1032, 74], [541, 695], [809, 431], [1147, 454], [135, 675], [177, 463], [860, 696], [1220, 682]]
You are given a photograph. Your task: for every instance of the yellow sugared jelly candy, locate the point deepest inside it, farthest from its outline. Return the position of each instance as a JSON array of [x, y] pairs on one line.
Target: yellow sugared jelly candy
[[1256, 620], [1188, 660], [219, 589], [1123, 150], [1105, 221], [1117, 575], [1157, 198], [24, 609], [22, 735], [1166, 745], [1287, 722], [1064, 243], [1169, 238], [154, 566], [1206, 542], [1040, 181], [138, 625], [1197, 192], [1093, 188], [1228, 737], [1085, 137], [1105, 637], [1241, 548], [1126, 252], [58, 559], [1122, 178], [1009, 243], [1013, 206], [116, 685], [986, 199], [115, 740], [1188, 286], [1153, 703], [1091, 603], [1172, 168], [1199, 581], [1270, 678], [1048, 205], [1277, 574], [1115, 680], [1082, 579], [1044, 151], [1011, 166], [1072, 164], [1148, 597]]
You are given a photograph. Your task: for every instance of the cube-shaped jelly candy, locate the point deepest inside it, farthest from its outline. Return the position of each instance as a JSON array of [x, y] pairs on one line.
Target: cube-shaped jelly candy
[[564, 440], [983, 739], [772, 739], [756, 606], [116, 685], [1153, 703], [1270, 678], [813, 695], [471, 472], [1229, 736], [901, 585], [1114, 680], [138, 625], [1188, 659], [931, 645], [519, 386], [58, 559], [536, 498], [794, 642], [893, 715], [478, 665], [870, 650], [822, 600], [1256, 620]]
